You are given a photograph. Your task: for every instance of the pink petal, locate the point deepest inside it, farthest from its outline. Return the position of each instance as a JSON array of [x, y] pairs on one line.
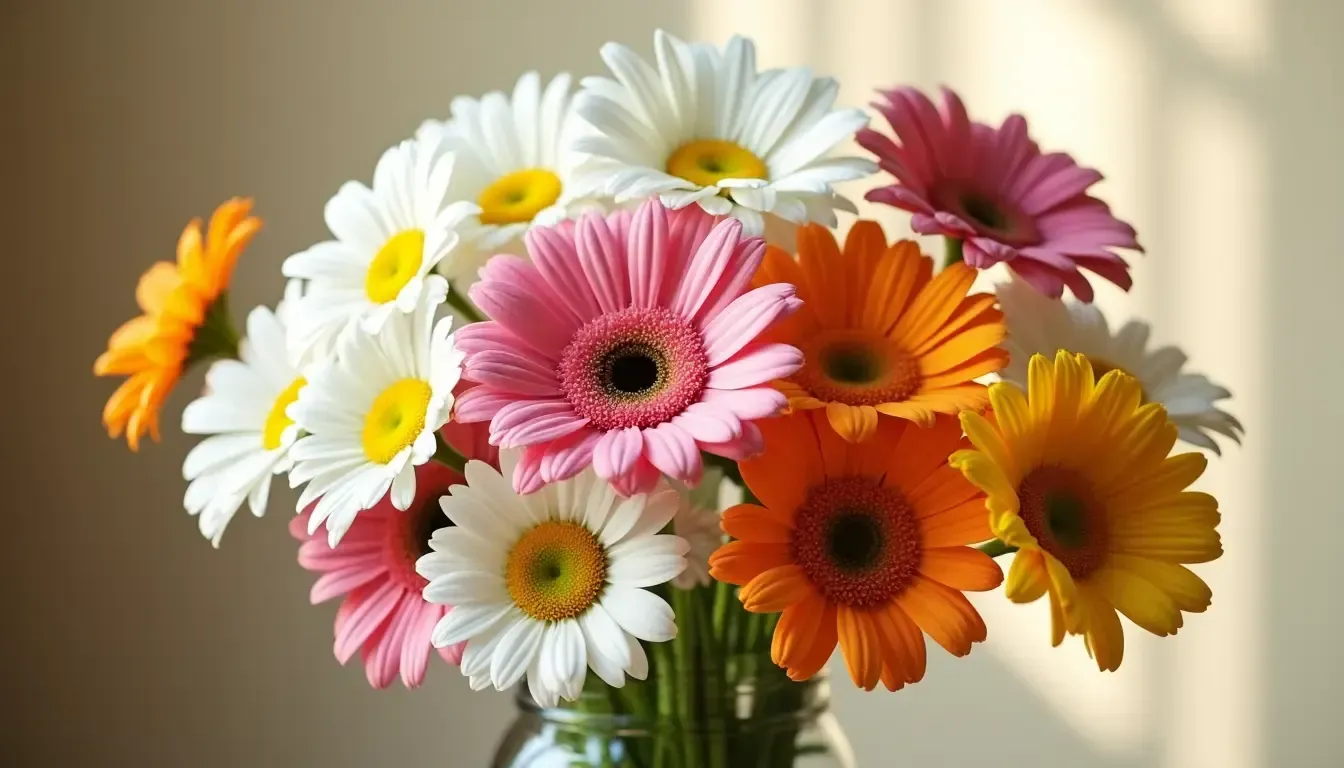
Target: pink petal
[[1041, 277], [298, 525], [1108, 269], [673, 452], [901, 197], [930, 225], [602, 256], [527, 475], [478, 337], [557, 260], [316, 555], [568, 457], [342, 582], [532, 312], [617, 452], [647, 252], [1063, 185], [743, 320], [983, 252], [747, 404], [453, 653], [373, 606], [415, 646], [957, 162], [756, 364], [480, 404], [509, 371], [709, 424], [382, 657], [746, 447], [706, 268], [533, 421], [687, 229], [642, 478]]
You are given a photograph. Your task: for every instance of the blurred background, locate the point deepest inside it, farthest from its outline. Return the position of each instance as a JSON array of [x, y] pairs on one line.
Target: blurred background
[[130, 642]]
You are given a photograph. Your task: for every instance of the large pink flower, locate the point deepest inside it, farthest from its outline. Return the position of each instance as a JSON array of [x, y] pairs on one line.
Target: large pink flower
[[383, 616], [628, 343], [993, 189]]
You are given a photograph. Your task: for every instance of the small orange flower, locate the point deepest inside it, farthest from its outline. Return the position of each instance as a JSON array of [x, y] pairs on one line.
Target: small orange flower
[[864, 544], [881, 333], [185, 319]]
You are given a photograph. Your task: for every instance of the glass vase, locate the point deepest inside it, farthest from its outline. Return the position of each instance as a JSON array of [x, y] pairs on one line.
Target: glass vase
[[741, 713]]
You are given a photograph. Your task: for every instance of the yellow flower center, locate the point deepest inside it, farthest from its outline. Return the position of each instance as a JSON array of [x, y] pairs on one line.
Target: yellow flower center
[[556, 571], [395, 420], [519, 196], [277, 421], [395, 264], [858, 368], [708, 161]]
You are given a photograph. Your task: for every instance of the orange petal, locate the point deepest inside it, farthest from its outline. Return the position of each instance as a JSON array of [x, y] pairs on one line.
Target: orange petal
[[921, 451], [819, 258], [155, 285], [865, 245], [988, 361], [738, 562], [973, 311], [791, 464], [944, 614], [855, 423], [966, 523], [776, 589], [797, 628], [960, 348], [823, 645], [934, 305], [918, 413], [900, 277], [749, 522], [944, 488], [907, 653], [861, 646], [961, 568]]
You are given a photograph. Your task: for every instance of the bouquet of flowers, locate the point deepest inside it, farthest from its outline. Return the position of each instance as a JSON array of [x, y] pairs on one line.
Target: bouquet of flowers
[[656, 321]]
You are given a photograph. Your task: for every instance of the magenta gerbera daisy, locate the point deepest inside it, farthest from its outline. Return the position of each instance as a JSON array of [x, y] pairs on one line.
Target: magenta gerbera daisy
[[383, 616], [628, 343], [996, 192]]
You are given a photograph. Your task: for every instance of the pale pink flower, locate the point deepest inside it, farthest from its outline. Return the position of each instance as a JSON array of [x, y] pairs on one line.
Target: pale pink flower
[[628, 343], [993, 189], [383, 616]]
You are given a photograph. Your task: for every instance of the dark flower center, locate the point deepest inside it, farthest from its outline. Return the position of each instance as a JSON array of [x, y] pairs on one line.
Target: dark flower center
[[854, 541], [633, 369], [983, 210], [1060, 509]]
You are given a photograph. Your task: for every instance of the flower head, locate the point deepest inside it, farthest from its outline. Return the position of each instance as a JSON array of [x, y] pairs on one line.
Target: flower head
[[511, 160], [185, 320], [371, 414], [551, 584], [1040, 325], [388, 241], [882, 336], [705, 127], [994, 189], [629, 343], [244, 413], [864, 544], [383, 616], [1079, 479]]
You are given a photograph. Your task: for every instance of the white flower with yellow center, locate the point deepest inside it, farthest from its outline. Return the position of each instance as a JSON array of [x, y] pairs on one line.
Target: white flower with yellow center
[[511, 162], [244, 413], [1038, 324], [705, 127], [554, 583], [388, 241], [372, 412]]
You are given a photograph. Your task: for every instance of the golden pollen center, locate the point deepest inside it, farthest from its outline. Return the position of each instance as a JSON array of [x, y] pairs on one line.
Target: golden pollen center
[[858, 368], [519, 196], [395, 265], [1060, 508], [395, 420], [706, 162], [556, 571], [277, 421]]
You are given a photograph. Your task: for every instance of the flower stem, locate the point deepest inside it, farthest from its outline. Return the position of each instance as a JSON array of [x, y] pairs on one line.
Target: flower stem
[[215, 337], [445, 454], [994, 548], [953, 248], [463, 306]]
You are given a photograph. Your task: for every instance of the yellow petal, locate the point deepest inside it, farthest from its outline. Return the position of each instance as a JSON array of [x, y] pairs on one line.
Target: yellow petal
[[1027, 579]]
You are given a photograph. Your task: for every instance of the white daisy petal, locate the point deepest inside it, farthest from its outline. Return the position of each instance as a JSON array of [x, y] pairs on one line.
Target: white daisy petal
[[516, 652], [641, 613]]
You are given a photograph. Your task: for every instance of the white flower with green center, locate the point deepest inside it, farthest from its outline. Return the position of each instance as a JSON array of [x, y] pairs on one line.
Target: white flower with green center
[[243, 411], [372, 412], [703, 126], [511, 162], [388, 241], [554, 583]]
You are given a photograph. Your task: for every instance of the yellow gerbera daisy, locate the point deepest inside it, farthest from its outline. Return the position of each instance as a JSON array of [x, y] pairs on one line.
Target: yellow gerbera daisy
[[881, 334], [1078, 478], [185, 320]]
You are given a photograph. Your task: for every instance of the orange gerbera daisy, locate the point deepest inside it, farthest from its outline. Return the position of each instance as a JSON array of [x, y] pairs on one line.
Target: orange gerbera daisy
[[861, 543], [185, 319], [881, 333]]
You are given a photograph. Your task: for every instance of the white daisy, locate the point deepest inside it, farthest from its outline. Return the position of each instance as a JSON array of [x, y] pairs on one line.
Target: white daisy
[[243, 411], [388, 240], [551, 584], [697, 522], [372, 413], [1039, 324], [511, 162], [705, 127]]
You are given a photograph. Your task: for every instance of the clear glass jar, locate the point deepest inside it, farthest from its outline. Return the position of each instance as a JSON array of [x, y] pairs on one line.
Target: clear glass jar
[[751, 716]]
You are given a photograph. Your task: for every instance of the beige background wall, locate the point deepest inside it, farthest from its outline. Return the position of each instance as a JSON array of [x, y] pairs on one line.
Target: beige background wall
[[127, 641]]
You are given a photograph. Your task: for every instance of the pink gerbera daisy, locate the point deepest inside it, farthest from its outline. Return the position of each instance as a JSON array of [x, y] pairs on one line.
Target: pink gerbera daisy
[[994, 190], [384, 617], [628, 343]]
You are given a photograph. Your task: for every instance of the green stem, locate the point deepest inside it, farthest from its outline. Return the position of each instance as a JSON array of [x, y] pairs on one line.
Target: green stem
[[463, 306], [994, 548], [953, 248], [683, 652], [445, 454], [713, 682], [215, 337]]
